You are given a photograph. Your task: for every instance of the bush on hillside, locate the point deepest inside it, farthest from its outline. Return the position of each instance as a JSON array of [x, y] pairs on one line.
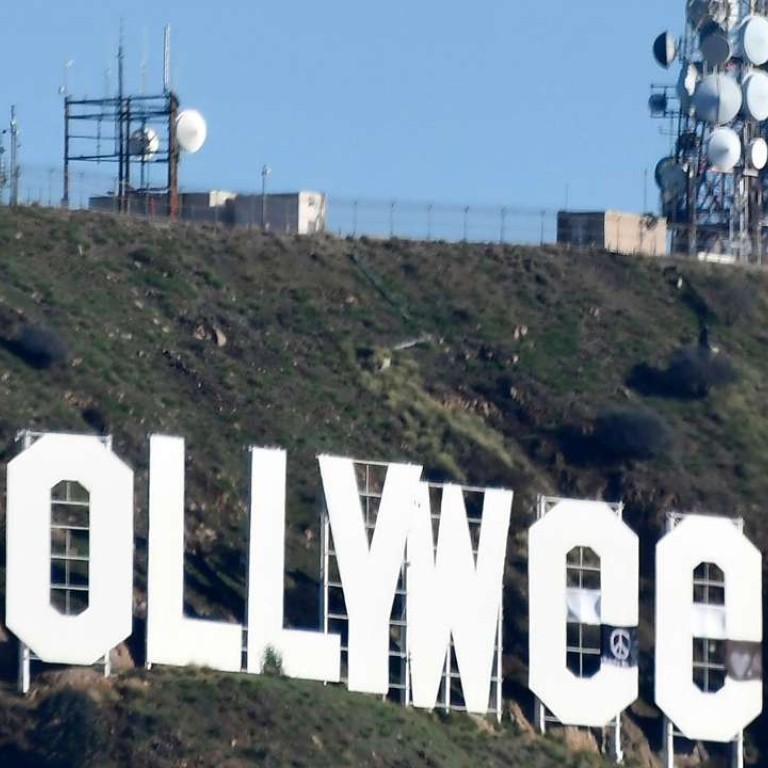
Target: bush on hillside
[[631, 433], [615, 436], [70, 731], [272, 662], [692, 373], [38, 347]]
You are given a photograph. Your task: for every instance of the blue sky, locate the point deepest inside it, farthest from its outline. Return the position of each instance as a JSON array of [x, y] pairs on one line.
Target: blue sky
[[497, 101]]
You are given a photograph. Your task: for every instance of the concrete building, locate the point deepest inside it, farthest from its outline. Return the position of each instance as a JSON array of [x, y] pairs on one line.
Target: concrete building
[[615, 231], [302, 213]]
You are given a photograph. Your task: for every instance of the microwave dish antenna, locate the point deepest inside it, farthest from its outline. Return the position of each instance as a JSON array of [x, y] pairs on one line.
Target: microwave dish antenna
[[665, 49], [713, 185], [724, 149], [715, 45], [686, 85], [144, 143], [671, 178], [757, 154], [755, 88], [717, 99], [191, 130], [753, 39], [703, 12]]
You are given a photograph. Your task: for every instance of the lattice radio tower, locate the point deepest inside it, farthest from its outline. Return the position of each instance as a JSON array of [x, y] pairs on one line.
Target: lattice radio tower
[[136, 132], [713, 182]]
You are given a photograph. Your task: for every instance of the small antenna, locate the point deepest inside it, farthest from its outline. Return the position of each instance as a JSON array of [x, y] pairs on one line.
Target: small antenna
[[120, 61], [15, 172], [167, 59], [144, 62], [64, 87]]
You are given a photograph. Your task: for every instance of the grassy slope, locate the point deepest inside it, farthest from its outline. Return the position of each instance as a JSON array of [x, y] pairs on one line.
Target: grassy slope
[[516, 344], [198, 718]]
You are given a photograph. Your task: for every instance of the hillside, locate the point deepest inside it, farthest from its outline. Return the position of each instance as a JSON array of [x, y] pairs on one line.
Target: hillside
[[499, 365]]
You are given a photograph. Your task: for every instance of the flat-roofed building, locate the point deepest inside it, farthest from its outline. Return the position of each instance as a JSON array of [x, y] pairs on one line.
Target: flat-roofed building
[[302, 213], [615, 231]]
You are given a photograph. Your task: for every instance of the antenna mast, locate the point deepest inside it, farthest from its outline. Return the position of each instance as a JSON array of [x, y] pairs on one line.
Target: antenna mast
[[144, 63], [15, 171], [167, 59]]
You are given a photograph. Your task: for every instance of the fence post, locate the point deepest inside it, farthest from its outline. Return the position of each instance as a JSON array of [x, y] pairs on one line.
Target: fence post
[[541, 232], [466, 217]]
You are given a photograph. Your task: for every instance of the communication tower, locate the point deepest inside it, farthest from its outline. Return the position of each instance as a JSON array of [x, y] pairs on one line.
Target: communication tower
[[713, 182], [137, 132]]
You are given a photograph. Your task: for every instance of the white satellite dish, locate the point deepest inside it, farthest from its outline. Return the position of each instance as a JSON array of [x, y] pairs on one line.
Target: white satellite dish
[[717, 99], [191, 130], [144, 143], [714, 44], [665, 49], [686, 85], [724, 149], [757, 154], [755, 88], [753, 39], [671, 178]]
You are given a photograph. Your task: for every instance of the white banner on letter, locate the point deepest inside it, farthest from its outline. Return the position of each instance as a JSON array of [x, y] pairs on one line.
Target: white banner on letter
[[306, 655], [173, 638], [368, 574], [588, 701], [720, 715], [107, 621], [448, 594]]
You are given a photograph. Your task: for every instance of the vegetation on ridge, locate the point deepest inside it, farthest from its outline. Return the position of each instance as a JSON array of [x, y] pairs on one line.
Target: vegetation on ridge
[[488, 364]]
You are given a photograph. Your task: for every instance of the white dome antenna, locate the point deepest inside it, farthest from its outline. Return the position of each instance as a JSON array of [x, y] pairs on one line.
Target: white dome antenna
[[191, 130]]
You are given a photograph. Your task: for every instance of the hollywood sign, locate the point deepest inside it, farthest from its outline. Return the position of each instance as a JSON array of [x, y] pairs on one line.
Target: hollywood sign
[[453, 593]]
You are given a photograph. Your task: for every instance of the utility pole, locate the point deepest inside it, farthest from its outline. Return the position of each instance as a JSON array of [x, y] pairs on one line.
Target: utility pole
[[3, 169], [265, 171], [15, 172], [64, 91]]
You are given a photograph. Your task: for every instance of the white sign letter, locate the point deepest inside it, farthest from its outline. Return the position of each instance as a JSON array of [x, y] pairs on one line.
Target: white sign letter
[[450, 595], [171, 637], [368, 574], [307, 655], [588, 701], [715, 715], [53, 636]]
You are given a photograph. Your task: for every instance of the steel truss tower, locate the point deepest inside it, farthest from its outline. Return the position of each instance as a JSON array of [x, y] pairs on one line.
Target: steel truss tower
[[713, 183], [134, 132]]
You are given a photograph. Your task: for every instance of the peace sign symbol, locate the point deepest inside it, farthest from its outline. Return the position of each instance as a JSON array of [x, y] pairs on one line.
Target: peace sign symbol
[[620, 643]]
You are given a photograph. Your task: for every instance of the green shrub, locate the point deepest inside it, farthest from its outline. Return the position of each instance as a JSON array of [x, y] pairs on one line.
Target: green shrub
[[272, 662], [70, 732]]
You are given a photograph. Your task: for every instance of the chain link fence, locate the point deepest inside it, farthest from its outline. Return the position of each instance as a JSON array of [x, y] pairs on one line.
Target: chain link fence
[[355, 217], [433, 221], [346, 216]]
